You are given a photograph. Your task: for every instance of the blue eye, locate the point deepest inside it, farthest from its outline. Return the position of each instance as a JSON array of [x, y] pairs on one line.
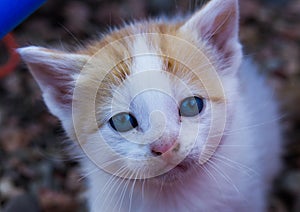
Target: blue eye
[[123, 122], [191, 106]]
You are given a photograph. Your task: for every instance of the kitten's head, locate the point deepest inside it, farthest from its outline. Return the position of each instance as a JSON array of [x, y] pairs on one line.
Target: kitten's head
[[149, 99]]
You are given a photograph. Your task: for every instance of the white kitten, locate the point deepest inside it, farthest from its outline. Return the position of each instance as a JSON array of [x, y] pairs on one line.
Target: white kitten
[[165, 116]]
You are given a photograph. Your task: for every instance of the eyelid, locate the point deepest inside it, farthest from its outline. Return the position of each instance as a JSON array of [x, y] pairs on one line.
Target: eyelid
[[193, 95], [118, 112]]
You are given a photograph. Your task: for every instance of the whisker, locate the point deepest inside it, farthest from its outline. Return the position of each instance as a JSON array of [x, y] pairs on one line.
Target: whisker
[[143, 185], [210, 175], [88, 174], [108, 163], [223, 175], [230, 145], [123, 193], [230, 132], [132, 190], [238, 166], [111, 183], [124, 189]]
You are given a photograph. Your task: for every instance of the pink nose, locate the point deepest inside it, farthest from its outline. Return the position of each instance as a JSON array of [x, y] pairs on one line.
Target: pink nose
[[159, 148]]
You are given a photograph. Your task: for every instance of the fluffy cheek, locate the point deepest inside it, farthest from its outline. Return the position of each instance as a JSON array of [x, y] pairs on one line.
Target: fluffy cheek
[[123, 144], [121, 149], [194, 132], [192, 138]]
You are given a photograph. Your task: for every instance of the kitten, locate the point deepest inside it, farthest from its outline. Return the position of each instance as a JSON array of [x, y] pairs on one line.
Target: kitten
[[165, 115]]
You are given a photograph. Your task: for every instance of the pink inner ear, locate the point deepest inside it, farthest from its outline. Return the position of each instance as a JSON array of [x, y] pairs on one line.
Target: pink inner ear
[[54, 72], [217, 25], [224, 28], [55, 81]]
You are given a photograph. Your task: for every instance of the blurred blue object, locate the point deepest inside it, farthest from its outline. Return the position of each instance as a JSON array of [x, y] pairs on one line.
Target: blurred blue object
[[13, 12]]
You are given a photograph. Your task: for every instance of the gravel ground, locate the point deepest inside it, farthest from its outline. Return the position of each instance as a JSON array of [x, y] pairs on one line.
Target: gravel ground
[[32, 159]]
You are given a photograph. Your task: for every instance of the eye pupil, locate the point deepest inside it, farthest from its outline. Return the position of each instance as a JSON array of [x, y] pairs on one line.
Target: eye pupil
[[123, 122], [191, 106]]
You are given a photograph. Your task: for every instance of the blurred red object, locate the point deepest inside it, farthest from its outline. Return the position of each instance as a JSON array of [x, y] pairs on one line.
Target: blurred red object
[[8, 42]]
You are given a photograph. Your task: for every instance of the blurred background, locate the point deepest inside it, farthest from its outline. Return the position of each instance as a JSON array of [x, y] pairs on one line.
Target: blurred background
[[33, 163]]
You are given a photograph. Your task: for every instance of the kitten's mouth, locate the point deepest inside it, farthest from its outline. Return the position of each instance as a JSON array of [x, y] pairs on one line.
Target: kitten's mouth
[[182, 167], [175, 174]]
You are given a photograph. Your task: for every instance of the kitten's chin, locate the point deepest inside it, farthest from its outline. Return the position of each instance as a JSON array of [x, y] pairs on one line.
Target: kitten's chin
[[177, 174]]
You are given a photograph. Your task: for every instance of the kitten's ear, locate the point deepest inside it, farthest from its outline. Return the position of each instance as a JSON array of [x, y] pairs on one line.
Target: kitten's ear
[[55, 73], [217, 24]]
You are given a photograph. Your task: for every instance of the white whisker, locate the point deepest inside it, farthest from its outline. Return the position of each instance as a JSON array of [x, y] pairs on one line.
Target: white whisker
[[214, 166], [231, 132], [234, 164]]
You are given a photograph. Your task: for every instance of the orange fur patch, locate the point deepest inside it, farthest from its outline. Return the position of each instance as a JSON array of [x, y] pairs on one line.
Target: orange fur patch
[[179, 59]]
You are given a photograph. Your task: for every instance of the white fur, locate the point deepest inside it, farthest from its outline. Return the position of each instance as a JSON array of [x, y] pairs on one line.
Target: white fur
[[145, 57], [237, 178]]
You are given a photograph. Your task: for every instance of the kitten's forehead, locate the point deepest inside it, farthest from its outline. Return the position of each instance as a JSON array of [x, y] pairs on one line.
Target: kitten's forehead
[[152, 57], [145, 57], [147, 67], [148, 86], [150, 77]]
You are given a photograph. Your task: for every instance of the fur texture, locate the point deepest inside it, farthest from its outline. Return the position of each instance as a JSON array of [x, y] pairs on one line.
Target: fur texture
[[223, 159]]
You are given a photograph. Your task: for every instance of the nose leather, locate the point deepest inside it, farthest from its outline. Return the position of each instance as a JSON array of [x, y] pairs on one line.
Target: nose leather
[[161, 147]]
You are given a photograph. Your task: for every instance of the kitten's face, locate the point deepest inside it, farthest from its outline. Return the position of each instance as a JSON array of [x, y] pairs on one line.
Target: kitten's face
[[154, 118], [157, 114], [157, 126], [149, 100]]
